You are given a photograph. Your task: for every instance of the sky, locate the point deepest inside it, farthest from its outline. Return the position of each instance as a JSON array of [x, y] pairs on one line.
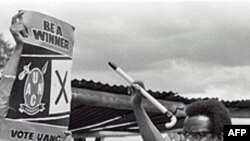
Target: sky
[[193, 48]]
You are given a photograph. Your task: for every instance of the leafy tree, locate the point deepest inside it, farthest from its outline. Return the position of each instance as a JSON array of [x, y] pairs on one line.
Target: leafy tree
[[5, 51]]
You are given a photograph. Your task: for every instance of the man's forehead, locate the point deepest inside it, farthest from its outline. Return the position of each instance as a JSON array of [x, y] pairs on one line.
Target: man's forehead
[[198, 123]]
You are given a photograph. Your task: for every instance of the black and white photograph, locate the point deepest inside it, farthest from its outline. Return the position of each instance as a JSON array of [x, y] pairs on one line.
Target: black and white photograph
[[124, 70]]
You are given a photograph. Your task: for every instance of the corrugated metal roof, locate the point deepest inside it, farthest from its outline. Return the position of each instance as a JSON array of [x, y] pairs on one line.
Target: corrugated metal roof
[[86, 118], [170, 95]]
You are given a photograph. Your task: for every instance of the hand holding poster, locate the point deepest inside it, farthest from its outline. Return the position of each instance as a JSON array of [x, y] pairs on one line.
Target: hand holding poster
[[42, 89], [49, 33]]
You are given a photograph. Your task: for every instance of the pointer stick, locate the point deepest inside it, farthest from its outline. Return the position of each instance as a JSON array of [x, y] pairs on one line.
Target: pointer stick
[[163, 109]]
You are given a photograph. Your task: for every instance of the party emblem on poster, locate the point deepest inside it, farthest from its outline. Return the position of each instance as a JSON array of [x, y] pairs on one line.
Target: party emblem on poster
[[33, 89]]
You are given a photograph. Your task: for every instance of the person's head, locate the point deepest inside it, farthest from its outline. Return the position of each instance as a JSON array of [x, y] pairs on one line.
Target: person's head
[[205, 121]]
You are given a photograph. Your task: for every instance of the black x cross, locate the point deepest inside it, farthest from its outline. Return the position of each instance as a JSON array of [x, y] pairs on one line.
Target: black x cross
[[62, 91]]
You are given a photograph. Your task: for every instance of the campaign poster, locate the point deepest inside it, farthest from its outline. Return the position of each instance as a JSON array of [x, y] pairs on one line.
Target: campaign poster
[[13, 130], [42, 89]]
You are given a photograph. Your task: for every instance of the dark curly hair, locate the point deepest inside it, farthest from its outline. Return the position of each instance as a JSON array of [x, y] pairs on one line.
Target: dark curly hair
[[215, 111]]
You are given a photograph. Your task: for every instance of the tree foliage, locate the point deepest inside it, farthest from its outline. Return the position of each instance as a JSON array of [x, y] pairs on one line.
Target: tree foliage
[[5, 51]]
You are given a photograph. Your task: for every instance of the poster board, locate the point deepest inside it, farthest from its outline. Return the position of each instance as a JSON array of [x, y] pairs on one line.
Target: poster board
[[42, 89], [13, 130]]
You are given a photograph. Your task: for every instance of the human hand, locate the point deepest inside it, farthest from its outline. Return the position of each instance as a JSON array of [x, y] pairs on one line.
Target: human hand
[[134, 91], [17, 28]]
